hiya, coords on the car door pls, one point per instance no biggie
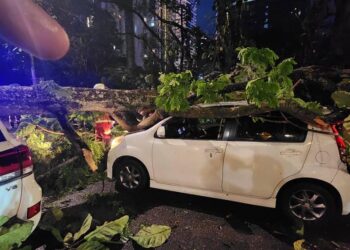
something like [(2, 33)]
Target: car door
[(262, 151), (10, 176), (191, 154)]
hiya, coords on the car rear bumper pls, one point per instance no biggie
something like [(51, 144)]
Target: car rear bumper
[(342, 183), (31, 195)]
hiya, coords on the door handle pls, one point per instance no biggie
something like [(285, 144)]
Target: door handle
[(290, 151), (214, 150)]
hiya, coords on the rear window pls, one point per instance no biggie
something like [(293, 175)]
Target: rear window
[(2, 137), (271, 127)]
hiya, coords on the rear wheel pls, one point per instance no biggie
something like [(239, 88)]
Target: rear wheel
[(131, 176), (308, 202)]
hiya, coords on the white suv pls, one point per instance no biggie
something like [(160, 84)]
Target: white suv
[(20, 195), (270, 160)]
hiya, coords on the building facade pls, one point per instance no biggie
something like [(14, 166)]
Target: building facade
[(156, 28)]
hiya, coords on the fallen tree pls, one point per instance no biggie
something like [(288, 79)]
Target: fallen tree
[(49, 99), (267, 87)]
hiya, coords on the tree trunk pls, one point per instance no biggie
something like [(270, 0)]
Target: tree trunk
[(48, 97)]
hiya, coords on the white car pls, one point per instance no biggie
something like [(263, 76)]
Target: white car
[(270, 160), (20, 195)]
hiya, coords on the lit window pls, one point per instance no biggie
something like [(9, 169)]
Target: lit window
[(152, 23), (89, 21)]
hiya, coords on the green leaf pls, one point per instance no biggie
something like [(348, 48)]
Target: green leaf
[(3, 230), (68, 238), (92, 245), (16, 235), (286, 66), (3, 220), (108, 230), (57, 234), (301, 231), (57, 213), (298, 245), (312, 106), (174, 90), (152, 236), (341, 98), (84, 228)]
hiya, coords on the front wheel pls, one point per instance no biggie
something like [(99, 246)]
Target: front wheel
[(311, 203), (131, 176)]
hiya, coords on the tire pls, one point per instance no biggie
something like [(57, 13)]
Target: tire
[(311, 203), (131, 176)]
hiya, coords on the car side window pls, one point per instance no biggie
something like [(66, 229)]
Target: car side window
[(2, 137), (272, 126), (193, 128)]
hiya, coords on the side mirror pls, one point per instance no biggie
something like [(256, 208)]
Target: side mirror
[(161, 132)]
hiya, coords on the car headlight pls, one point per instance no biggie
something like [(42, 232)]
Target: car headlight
[(116, 141)]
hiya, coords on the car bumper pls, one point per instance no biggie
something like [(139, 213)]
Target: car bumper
[(342, 183), (31, 195)]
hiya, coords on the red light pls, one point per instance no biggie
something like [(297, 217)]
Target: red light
[(11, 162), (341, 144), (33, 210), (26, 156), (338, 138), (9, 165), (9, 168)]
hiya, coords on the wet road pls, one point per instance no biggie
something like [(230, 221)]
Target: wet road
[(204, 223)]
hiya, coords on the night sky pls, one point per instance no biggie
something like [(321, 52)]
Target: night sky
[(206, 16)]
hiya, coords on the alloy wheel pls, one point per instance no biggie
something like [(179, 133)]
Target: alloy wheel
[(307, 205), (130, 177)]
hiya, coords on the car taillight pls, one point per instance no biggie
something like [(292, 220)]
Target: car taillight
[(340, 142), (15, 162), (33, 210), (25, 159)]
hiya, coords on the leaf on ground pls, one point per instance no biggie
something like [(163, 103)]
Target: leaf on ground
[(53, 230), (3, 220), (152, 236), (57, 234), (298, 245), (16, 235), (92, 245), (300, 231), (84, 228), (57, 213), (68, 238), (108, 230)]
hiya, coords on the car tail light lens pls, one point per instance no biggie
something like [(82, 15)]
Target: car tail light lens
[(33, 210), (14, 163), (25, 159), (340, 142)]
